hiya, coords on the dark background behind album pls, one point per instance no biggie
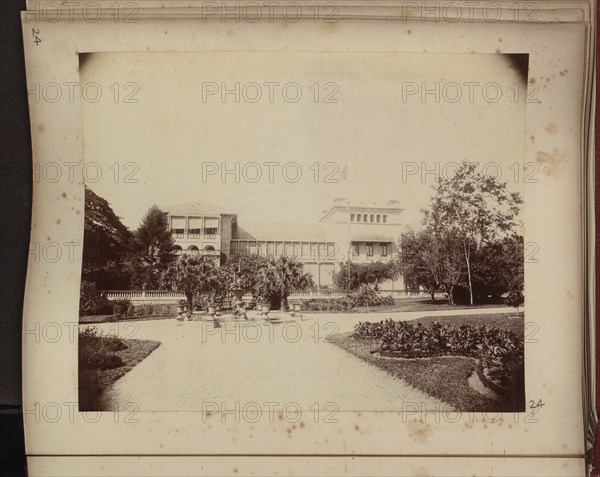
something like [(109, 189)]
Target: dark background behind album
[(15, 210)]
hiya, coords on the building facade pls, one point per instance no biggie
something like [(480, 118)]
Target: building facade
[(360, 233)]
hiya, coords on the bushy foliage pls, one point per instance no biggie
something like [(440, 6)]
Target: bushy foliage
[(328, 304), (272, 280), (154, 310), (122, 308), (97, 352), (200, 302), (92, 301), (368, 296), (352, 276), (106, 245), (499, 351), (364, 296), (514, 298), (498, 268), (193, 275)]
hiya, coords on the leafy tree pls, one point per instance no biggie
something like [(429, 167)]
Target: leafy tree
[(420, 261), (153, 250), (426, 261), (192, 275), (243, 269), (351, 275), (498, 267), (472, 209), (92, 301), (106, 244)]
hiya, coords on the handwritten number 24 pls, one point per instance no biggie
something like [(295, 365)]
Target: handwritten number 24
[(36, 39)]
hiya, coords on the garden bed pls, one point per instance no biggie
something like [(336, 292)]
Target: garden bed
[(103, 360), (440, 358), (91, 320), (124, 310)]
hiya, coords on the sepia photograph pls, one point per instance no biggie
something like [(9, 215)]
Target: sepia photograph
[(309, 238), (340, 232)]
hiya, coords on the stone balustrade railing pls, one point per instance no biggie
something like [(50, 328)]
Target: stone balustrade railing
[(322, 294), (162, 296), (145, 296)]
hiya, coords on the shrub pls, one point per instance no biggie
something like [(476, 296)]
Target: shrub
[(122, 308), (92, 301), (364, 296), (514, 298), (328, 304), (368, 296), (164, 310), (149, 309)]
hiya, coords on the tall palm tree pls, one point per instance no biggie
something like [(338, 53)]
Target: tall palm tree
[(291, 276)]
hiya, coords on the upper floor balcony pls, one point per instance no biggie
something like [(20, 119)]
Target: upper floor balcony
[(195, 235)]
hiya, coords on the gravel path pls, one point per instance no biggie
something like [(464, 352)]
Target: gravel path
[(197, 367)]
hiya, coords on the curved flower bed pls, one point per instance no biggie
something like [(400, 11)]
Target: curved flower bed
[(499, 352)]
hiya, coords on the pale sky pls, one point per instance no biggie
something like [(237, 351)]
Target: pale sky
[(370, 134)]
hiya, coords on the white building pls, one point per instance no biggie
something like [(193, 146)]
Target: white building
[(360, 233)]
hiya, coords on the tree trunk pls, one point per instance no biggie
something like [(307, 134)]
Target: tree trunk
[(450, 293), (284, 302), (432, 296), (190, 300), (468, 273)]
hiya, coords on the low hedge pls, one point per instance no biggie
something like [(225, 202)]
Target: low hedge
[(125, 309), (364, 296)]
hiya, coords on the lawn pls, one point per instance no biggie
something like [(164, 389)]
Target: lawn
[(504, 321), (422, 304), (103, 360), (412, 304), (443, 377)]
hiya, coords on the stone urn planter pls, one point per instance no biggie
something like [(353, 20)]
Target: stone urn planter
[(264, 308), (181, 311), (238, 293), (296, 309), (213, 310)]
